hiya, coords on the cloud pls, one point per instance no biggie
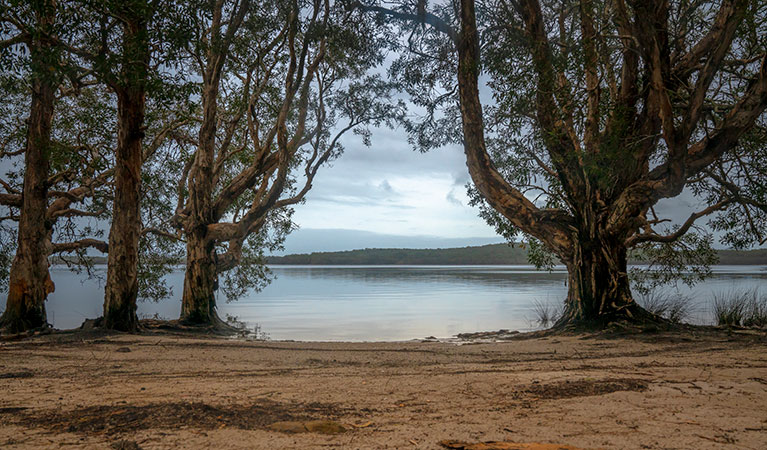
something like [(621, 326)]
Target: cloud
[(389, 188), (385, 186), (451, 198)]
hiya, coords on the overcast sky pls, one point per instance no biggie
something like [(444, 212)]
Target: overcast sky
[(389, 189), (389, 196)]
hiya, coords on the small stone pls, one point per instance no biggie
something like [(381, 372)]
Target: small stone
[(125, 445), (123, 350)]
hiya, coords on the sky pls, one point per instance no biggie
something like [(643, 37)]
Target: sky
[(388, 195)]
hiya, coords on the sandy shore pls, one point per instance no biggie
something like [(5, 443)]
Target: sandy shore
[(682, 390)]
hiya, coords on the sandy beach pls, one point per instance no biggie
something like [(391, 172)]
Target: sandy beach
[(686, 389)]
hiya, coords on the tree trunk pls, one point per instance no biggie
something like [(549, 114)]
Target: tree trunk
[(598, 287), (122, 272), (30, 280), (198, 305)]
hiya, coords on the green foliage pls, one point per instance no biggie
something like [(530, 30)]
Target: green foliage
[(743, 175), (484, 255), (7, 250), (342, 95), (157, 259), (540, 256), (495, 254), (522, 95), (687, 259), (252, 273), (501, 224)]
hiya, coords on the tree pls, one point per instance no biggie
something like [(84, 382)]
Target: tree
[(28, 285), (601, 110), (123, 51), (127, 50), (59, 170), (98, 139), (130, 86), (281, 83)]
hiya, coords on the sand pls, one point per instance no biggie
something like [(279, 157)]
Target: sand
[(686, 389)]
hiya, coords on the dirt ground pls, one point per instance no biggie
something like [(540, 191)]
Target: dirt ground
[(163, 390)]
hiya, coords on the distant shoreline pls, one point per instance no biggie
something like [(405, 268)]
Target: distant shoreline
[(485, 255), (490, 255)]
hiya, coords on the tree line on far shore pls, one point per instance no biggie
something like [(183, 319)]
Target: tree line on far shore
[(191, 129), (492, 254)]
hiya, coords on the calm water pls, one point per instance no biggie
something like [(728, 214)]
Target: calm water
[(381, 302)]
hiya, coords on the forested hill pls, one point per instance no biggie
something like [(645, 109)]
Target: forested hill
[(487, 254)]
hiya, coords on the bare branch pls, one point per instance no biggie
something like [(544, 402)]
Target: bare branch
[(426, 17), (101, 246), (654, 237)]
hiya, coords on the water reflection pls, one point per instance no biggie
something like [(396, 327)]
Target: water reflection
[(489, 275)]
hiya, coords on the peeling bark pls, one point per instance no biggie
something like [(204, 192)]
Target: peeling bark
[(30, 281), (122, 271), (608, 183), (198, 306), (598, 287)]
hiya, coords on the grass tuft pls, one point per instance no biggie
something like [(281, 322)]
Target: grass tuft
[(740, 308), (547, 313), (672, 306)]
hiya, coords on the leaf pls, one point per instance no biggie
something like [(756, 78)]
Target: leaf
[(362, 425)]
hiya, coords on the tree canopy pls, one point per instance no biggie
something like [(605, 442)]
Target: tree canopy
[(597, 111)]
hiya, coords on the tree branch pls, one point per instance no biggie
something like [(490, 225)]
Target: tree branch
[(101, 246), (654, 237), (426, 17), (549, 226)]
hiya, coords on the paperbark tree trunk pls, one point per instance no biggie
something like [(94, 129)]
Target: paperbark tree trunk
[(599, 291), (122, 273), (198, 305), (30, 280)]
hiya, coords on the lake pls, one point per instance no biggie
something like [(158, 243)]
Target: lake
[(375, 303)]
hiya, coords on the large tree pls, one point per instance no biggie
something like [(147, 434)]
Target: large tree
[(599, 110), (130, 85), (127, 49), (62, 166), (99, 139), (281, 82), (27, 290)]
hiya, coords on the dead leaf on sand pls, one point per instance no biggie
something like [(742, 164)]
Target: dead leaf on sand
[(112, 419), (362, 425)]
